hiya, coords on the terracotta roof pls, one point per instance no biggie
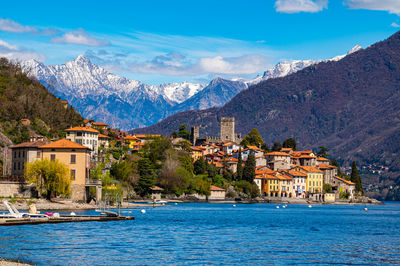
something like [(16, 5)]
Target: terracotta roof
[(34, 144), (277, 153), (310, 169), (99, 124), (147, 136), (297, 173), (326, 166), (63, 144), (286, 149), (254, 148), (345, 181), (322, 159), (131, 138), (64, 101), (214, 188), (85, 129), (157, 188), (101, 136), (305, 152), (86, 121)]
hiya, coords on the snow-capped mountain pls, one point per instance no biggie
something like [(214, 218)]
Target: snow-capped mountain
[(125, 103), (285, 68)]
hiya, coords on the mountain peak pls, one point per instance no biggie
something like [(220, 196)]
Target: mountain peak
[(354, 49), (82, 59)]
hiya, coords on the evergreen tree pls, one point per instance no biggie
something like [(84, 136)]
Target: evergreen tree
[(200, 166), (290, 143), (252, 138), (355, 178), (323, 152), (212, 171), (239, 170), (146, 177), (265, 147), (277, 146), (335, 163), (249, 170), (183, 133)]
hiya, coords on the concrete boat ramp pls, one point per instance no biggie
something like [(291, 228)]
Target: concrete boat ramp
[(62, 219)]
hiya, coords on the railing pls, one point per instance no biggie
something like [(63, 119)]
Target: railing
[(12, 179)]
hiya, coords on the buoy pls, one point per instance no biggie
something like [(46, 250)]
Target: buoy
[(176, 203), (365, 209), (234, 205), (143, 211), (283, 206), (309, 206), (277, 207), (72, 213)]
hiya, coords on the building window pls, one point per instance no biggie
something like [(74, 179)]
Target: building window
[(38, 154), (73, 158), (52, 157), (79, 134), (73, 174)]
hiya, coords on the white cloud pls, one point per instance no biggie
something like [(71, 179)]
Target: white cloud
[(20, 54), (296, 6), (395, 25), (12, 26), (175, 64), (392, 6), (80, 36)]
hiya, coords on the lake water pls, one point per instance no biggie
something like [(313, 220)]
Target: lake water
[(216, 234)]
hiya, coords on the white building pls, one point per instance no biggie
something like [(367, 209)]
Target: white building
[(86, 136), (216, 193)]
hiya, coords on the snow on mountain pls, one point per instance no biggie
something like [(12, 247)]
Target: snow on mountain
[(125, 103), (285, 68)]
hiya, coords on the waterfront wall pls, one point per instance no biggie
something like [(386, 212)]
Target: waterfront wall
[(15, 189)]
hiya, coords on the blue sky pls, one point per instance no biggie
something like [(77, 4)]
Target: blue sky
[(168, 41)]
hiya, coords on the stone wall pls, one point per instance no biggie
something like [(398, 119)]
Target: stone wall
[(16, 189), (78, 192), (227, 129)]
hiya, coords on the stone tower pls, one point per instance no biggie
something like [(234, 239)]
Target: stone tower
[(227, 129), (194, 134)]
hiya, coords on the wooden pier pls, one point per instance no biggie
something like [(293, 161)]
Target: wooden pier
[(62, 219)]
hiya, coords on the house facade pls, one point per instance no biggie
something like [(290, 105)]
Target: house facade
[(24, 153), (86, 136)]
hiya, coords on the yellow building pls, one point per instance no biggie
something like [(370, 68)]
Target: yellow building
[(76, 157), (196, 152), (315, 178), (132, 140), (100, 126)]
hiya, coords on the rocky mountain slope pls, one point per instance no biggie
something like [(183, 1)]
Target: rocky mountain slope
[(124, 103), (351, 106)]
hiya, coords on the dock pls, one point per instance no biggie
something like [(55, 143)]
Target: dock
[(62, 219)]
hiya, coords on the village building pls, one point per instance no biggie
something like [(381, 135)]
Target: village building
[(99, 126), (315, 180), (210, 148), (156, 193), (65, 104), (104, 141), (216, 193), (86, 136), (330, 172), (132, 141), (230, 147), (299, 183), (25, 121), (278, 160), (24, 153), (77, 159), (230, 163), (322, 160), (197, 152), (346, 185)]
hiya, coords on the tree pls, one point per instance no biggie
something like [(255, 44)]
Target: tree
[(121, 170), (200, 166), (327, 188), (252, 138), (186, 162), (174, 134), (265, 147), (212, 171), (183, 133), (323, 152), (290, 143), (277, 146), (335, 163), (249, 170), (52, 178), (157, 149), (146, 177), (239, 170), (355, 178)]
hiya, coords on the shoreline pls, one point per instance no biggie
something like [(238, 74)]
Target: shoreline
[(7, 262), (67, 205)]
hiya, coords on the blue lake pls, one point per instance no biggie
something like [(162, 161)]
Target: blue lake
[(216, 234)]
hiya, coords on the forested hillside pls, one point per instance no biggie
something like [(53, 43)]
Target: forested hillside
[(22, 97)]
